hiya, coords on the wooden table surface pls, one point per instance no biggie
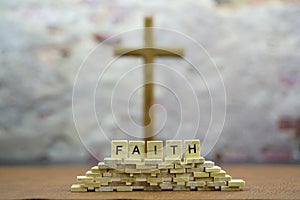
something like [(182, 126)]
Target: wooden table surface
[(53, 182)]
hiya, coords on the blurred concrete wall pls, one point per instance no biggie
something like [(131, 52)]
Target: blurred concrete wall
[(256, 47)]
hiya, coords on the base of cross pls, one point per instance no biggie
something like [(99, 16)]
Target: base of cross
[(156, 174)]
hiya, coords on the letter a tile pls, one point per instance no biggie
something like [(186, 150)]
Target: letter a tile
[(136, 149)]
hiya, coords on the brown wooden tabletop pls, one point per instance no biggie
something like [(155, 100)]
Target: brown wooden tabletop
[(53, 182)]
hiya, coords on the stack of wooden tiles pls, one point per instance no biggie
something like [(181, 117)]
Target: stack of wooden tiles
[(131, 169)]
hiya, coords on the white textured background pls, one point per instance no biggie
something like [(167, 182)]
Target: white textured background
[(255, 45)]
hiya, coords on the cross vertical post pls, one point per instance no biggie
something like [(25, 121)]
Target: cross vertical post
[(148, 79)]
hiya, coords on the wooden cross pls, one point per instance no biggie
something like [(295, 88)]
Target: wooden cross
[(148, 52)]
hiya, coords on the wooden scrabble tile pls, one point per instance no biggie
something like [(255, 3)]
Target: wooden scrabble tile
[(180, 188), (92, 174), (180, 179), (180, 183), (178, 166), (132, 161), (164, 171), (166, 188), (184, 165), (132, 171), (200, 160), (130, 166), (227, 188), (112, 166), (92, 184), (101, 166), (153, 174), (165, 175), (115, 171), (141, 175), (115, 179), (215, 183), (165, 166), (95, 169), (221, 173), (119, 149), (152, 188), (220, 178), (106, 174), (78, 188), (167, 185), (181, 170), (141, 179), (104, 184), (206, 179), (150, 171), (191, 149), (144, 183), (201, 174), (205, 188), (153, 161), (90, 189), (213, 169), (84, 178), (113, 184), (120, 167), (174, 149), (104, 189), (155, 149), (124, 188), (172, 160), (104, 179), (143, 166), (184, 175), (109, 161), (136, 149), (195, 170), (154, 179), (126, 179), (207, 163), (125, 175), (138, 187), (236, 182), (195, 183), (167, 179)]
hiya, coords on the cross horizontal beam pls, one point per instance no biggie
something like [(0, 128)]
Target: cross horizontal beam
[(157, 51)]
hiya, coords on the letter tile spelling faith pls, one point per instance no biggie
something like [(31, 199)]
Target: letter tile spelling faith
[(155, 149), (127, 170), (191, 149), (119, 149), (137, 149), (173, 149)]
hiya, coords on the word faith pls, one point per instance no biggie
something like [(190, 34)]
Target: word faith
[(123, 149)]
